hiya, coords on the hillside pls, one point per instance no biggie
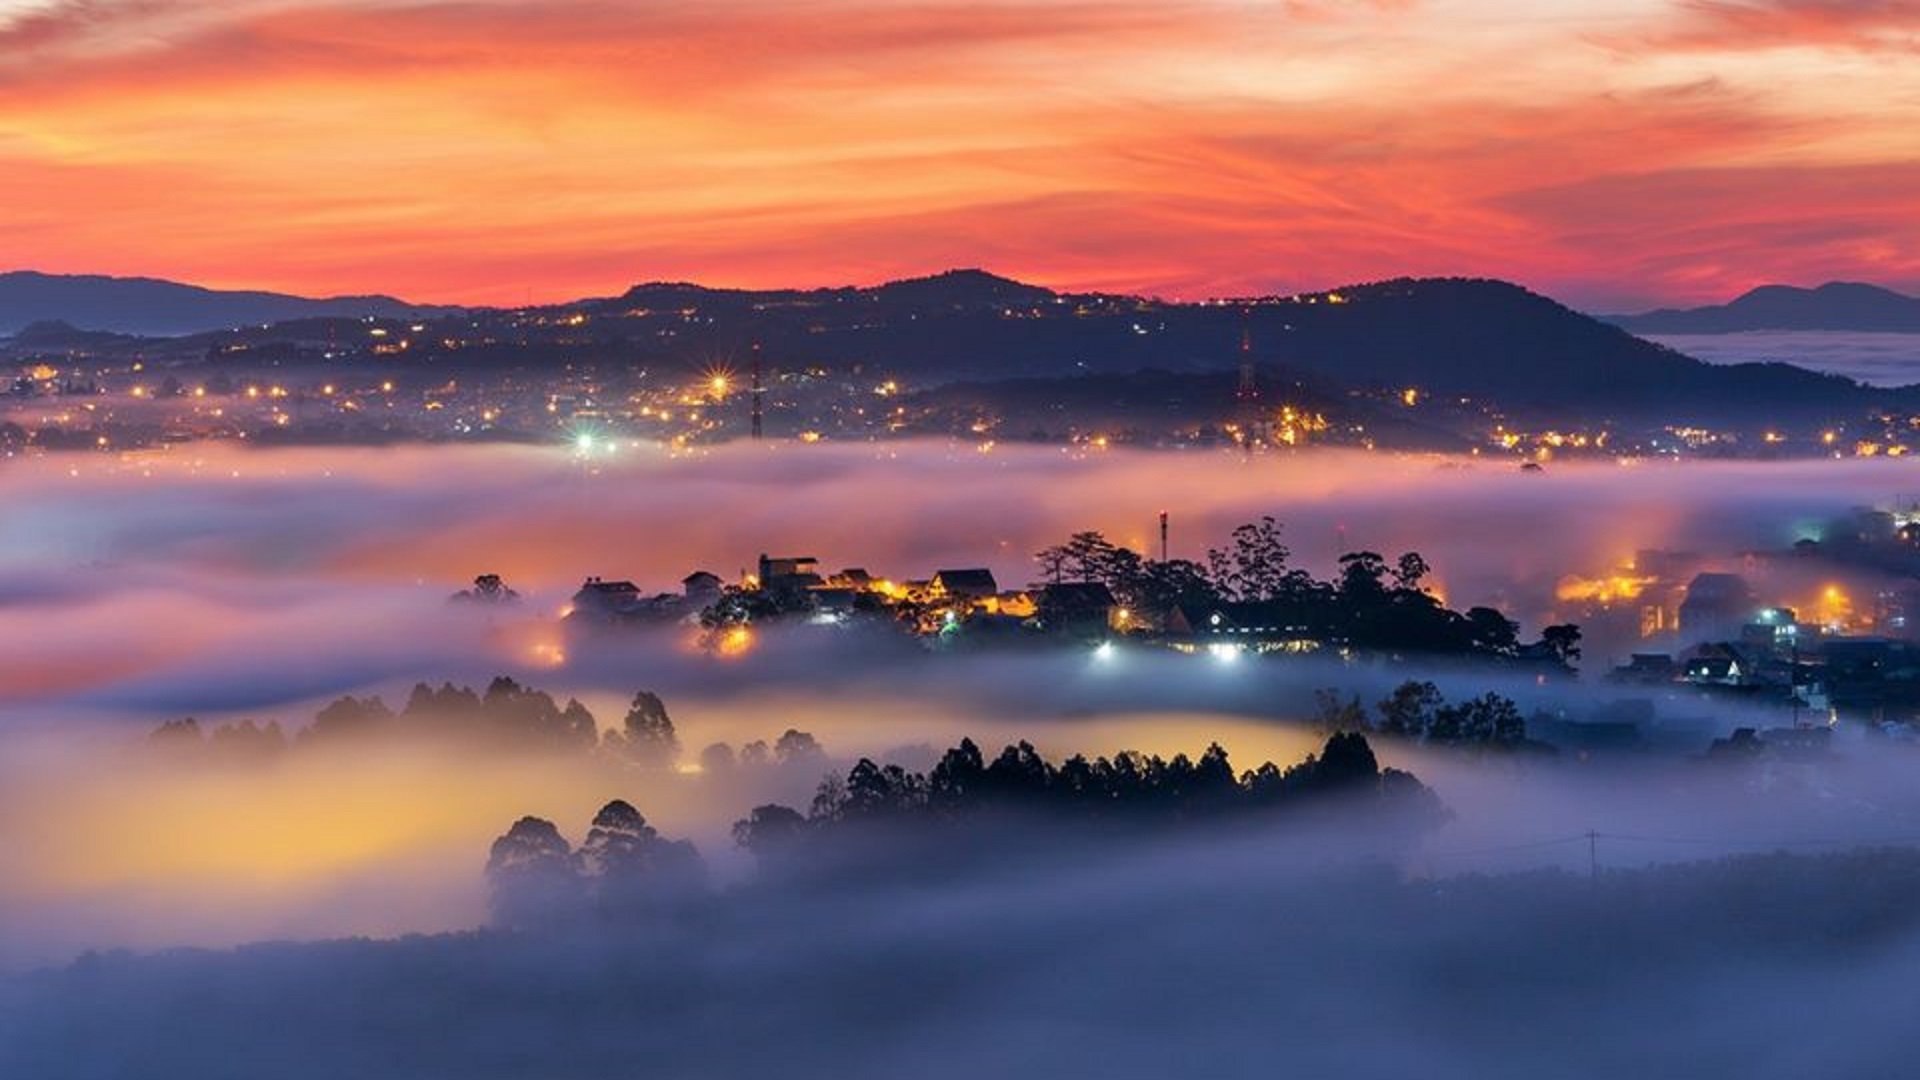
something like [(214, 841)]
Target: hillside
[(1834, 306), (164, 308)]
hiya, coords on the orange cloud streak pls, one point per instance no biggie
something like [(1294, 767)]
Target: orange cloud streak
[(479, 151)]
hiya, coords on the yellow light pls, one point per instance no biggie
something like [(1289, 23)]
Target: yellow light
[(735, 642)]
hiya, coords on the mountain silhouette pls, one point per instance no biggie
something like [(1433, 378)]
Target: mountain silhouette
[(1480, 342), (1837, 305), (149, 306)]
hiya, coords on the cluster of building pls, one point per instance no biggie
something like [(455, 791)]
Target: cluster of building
[(963, 605), (796, 587)]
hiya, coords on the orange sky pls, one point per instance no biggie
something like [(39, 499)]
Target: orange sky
[(1611, 153)]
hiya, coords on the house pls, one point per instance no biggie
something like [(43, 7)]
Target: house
[(1721, 664), (1254, 626), (1077, 608), (1717, 605), (853, 577), (835, 600), (789, 578), (772, 569), (972, 585), (701, 587), (606, 601), (1647, 668)]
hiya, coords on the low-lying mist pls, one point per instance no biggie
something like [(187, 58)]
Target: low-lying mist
[(210, 576), (258, 586)]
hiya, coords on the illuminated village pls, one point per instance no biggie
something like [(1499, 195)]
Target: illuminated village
[(681, 368), (1825, 631)]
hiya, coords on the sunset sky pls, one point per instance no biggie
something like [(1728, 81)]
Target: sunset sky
[(1612, 153)]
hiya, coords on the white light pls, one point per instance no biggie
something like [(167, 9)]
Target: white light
[(1103, 651), (1226, 654), (583, 442)]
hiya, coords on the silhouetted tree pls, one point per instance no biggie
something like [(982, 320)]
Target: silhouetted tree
[(488, 589), (1492, 631), (1563, 641), (798, 748), (770, 832), (533, 877), (631, 868), (717, 759), (1254, 566), (1408, 711), (646, 737), (350, 717), (1333, 713)]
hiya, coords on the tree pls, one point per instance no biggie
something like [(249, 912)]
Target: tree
[(795, 747), (1254, 567), (1333, 714), (532, 875), (348, 717), (1410, 571), (632, 868), (770, 833), (1491, 631), (488, 589), (577, 724), (1053, 564), (1409, 710), (1563, 641), (956, 776), (646, 737), (1362, 578), (1088, 555), (717, 759)]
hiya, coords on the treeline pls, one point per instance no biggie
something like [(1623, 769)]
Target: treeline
[(505, 716), (1417, 711), (1372, 604), (625, 866), (623, 869)]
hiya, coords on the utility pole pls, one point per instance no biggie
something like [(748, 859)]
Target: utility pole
[(1163, 536), (757, 391), (1593, 855)]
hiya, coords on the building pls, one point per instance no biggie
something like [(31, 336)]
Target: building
[(789, 578), (972, 585), (1649, 668), (1077, 608), (1253, 627), (1717, 606), (605, 601), (701, 587)]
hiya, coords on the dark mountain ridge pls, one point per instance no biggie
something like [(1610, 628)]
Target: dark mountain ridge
[(1491, 341), (150, 306), (1837, 305)]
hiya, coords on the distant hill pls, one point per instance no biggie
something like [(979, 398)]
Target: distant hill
[(1492, 340), (1838, 305), (153, 307), (1489, 341)]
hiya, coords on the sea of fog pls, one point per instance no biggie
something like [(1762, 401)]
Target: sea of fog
[(1872, 358), (231, 584)]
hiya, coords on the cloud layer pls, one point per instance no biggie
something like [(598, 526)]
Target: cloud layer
[(1613, 153)]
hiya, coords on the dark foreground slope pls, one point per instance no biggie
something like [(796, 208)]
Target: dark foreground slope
[(1229, 960), (164, 308)]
